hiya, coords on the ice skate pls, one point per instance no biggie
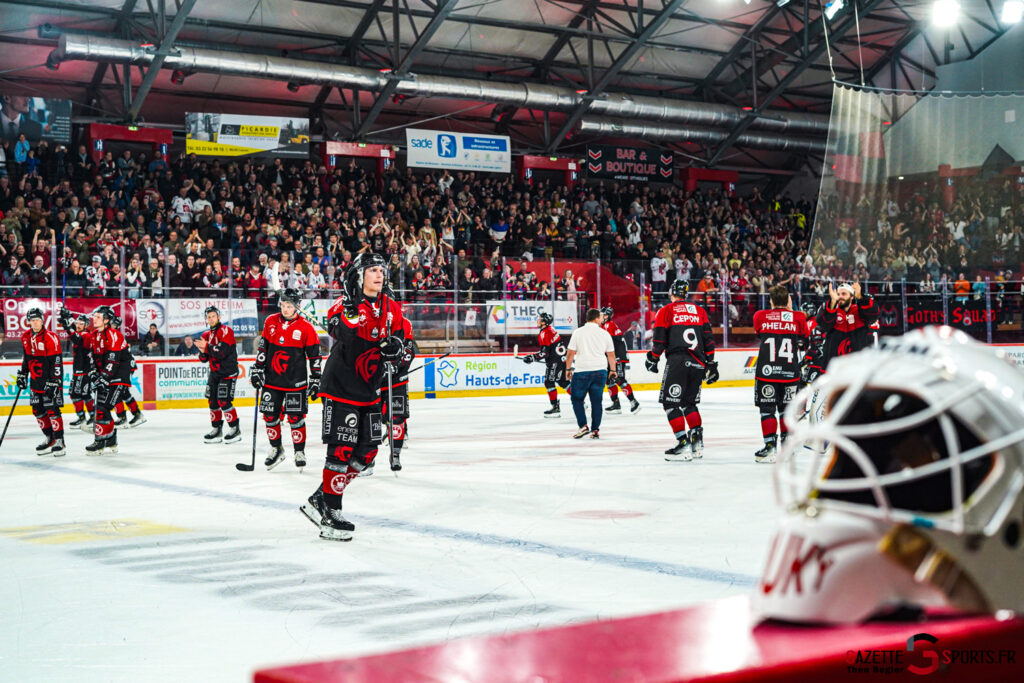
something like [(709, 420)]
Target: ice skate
[(766, 454), (46, 446), (555, 411), (89, 425), (137, 419), (396, 463), (367, 471), (110, 445), (615, 408), (697, 442), (96, 447), (58, 449), (634, 406), (680, 452), (275, 458), (315, 508), (215, 435), (121, 420), (334, 527), (79, 421), (300, 459), (234, 435)]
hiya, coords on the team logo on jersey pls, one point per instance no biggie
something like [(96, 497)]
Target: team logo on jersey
[(351, 420), (845, 347), (374, 332), (675, 391), (35, 369), (279, 362), (368, 363), (768, 391)]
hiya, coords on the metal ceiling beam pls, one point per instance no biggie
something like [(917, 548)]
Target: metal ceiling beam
[(166, 45), (737, 50), (839, 28), (640, 41), (120, 28), (894, 51), (444, 9)]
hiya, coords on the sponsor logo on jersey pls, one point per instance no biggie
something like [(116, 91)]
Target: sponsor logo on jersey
[(338, 482), (768, 391), (351, 420), (790, 392), (296, 335), (767, 371), (675, 391), (787, 316), (280, 340)]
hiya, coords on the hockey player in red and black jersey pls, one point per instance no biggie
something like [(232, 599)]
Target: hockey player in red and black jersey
[(621, 362), (287, 344), (682, 332), (113, 376), (845, 321), (42, 373), (367, 329), (552, 352), (126, 398), (217, 347), (782, 333), (82, 369)]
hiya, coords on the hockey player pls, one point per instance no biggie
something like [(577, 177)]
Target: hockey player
[(366, 325), (113, 375), (552, 352), (782, 333), (125, 396), (812, 362), (845, 321), (42, 372), (621, 361), (397, 401), (682, 332), (287, 344), (217, 347), (82, 369)]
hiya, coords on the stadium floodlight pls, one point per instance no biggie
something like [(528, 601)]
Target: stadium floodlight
[(781, 3), (945, 12), (832, 9), (1013, 11)]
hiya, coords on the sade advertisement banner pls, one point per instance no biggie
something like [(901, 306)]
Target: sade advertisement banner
[(459, 151), (242, 135)]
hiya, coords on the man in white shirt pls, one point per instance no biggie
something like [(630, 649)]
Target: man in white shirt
[(592, 350), (182, 206), (659, 273)]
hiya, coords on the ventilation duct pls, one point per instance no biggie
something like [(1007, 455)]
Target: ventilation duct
[(639, 129), (526, 95)]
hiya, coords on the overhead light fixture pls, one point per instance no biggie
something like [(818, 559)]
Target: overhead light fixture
[(293, 86), (945, 12), (781, 3), (178, 76), (52, 61), (832, 9), (1013, 11), (899, 178), (747, 1)]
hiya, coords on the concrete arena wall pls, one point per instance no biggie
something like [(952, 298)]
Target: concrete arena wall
[(163, 383)]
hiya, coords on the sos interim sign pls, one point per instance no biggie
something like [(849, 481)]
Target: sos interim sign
[(629, 163)]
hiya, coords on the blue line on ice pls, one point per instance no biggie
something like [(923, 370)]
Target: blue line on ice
[(492, 540)]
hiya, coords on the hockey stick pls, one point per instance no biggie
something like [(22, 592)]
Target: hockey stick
[(10, 415), (386, 306), (420, 367), (241, 466)]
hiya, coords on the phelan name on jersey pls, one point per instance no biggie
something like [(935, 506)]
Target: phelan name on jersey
[(780, 327)]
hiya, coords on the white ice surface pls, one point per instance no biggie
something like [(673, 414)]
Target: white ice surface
[(499, 522)]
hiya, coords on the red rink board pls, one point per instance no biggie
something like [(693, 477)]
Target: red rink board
[(713, 642)]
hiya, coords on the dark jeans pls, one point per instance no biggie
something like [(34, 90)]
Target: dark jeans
[(583, 383)]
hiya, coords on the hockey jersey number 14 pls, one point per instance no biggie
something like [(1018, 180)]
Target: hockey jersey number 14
[(783, 334)]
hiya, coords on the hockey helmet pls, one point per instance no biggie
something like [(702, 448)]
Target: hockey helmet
[(215, 310), (907, 491), (608, 312), (34, 314), (115, 322), (680, 288), (545, 318), (809, 308), (354, 274), (106, 312)]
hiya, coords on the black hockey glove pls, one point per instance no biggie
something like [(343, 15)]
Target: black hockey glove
[(256, 377), (102, 382), (65, 318), (93, 376), (711, 372), (313, 388), (809, 374), (651, 363), (22, 380), (392, 348), (528, 359)]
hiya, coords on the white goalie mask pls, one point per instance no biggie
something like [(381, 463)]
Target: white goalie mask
[(907, 492)]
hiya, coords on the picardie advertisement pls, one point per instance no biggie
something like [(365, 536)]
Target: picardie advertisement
[(240, 135)]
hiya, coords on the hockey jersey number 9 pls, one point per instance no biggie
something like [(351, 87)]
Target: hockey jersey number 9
[(683, 329)]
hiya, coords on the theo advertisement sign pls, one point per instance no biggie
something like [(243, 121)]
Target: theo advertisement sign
[(242, 135), (460, 151), (520, 317), (640, 164)]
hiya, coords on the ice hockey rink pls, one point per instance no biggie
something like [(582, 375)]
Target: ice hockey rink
[(165, 563)]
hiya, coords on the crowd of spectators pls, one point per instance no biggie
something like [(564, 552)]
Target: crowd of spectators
[(197, 226)]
